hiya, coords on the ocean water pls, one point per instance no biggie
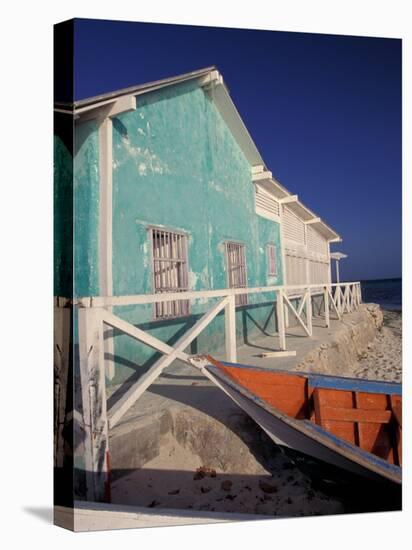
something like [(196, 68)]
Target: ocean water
[(385, 292)]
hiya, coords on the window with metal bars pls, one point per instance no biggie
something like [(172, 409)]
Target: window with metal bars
[(170, 271), (236, 269), (272, 263)]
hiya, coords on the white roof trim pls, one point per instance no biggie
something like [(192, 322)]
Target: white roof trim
[(220, 94), (282, 195), (212, 82)]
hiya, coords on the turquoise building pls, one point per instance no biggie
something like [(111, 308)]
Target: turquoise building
[(163, 190)]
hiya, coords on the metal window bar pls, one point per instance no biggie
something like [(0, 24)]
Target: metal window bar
[(236, 268), (170, 271), (272, 266)]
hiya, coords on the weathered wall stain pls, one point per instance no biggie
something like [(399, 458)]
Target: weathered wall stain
[(176, 165), (86, 210), (63, 219)]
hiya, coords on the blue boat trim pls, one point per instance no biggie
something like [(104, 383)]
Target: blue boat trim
[(354, 384), (335, 382), (353, 448), (360, 456)]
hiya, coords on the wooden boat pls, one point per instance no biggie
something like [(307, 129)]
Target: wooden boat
[(353, 424)]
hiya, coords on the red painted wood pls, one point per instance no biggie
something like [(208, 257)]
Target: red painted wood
[(396, 404), (283, 391), (322, 398), (356, 415), (370, 420)]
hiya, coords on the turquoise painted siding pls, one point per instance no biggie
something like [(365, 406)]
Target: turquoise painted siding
[(86, 210), (175, 165), (76, 214), (63, 219)]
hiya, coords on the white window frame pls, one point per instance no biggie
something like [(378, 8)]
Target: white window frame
[(272, 261), (236, 268), (170, 271)]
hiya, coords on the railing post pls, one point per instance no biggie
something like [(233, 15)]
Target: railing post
[(230, 330), (360, 293), (338, 299), (345, 299), (286, 310), (93, 452), (309, 311), (281, 320), (62, 400), (326, 302)]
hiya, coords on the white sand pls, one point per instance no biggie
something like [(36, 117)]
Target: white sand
[(170, 481), (383, 360)]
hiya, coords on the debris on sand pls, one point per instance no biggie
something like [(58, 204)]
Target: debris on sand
[(267, 487), (226, 485), (203, 471)]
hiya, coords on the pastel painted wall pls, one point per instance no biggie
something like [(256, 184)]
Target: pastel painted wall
[(176, 165), (76, 211), (86, 209), (63, 218)]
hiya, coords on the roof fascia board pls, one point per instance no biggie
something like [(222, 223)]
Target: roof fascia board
[(301, 211), (279, 190), (211, 79), (313, 220), (257, 169), (108, 109), (266, 175), (144, 88), (212, 82), (289, 199), (327, 232), (272, 188), (227, 109)]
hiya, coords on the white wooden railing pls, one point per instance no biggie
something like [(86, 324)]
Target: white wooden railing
[(95, 313), (341, 298)]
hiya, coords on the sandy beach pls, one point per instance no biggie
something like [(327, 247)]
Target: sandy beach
[(383, 359), (177, 479), (282, 486)]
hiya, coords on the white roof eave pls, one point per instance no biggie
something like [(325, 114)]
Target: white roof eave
[(213, 84)]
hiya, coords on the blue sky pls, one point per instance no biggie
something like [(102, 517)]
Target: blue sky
[(323, 110)]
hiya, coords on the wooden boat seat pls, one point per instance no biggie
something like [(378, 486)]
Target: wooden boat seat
[(364, 413), (371, 421), (353, 415)]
